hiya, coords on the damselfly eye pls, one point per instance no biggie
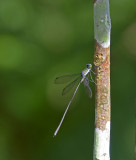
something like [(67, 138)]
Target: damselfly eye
[(89, 66)]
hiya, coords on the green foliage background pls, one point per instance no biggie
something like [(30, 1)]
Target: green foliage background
[(42, 39)]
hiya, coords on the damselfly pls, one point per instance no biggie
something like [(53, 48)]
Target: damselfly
[(83, 76)]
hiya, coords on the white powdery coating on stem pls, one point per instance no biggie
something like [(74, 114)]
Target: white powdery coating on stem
[(102, 143), (104, 44), (102, 22)]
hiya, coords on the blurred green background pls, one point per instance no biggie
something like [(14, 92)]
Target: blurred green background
[(42, 39)]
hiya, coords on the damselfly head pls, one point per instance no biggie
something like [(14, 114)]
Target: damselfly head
[(89, 66)]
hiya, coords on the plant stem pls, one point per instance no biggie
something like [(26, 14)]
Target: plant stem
[(102, 27)]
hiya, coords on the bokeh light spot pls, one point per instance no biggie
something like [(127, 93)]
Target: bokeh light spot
[(11, 52)]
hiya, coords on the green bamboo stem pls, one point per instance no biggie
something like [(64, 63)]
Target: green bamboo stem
[(102, 28)]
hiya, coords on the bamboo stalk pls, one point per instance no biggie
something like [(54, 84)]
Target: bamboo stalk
[(102, 27)]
